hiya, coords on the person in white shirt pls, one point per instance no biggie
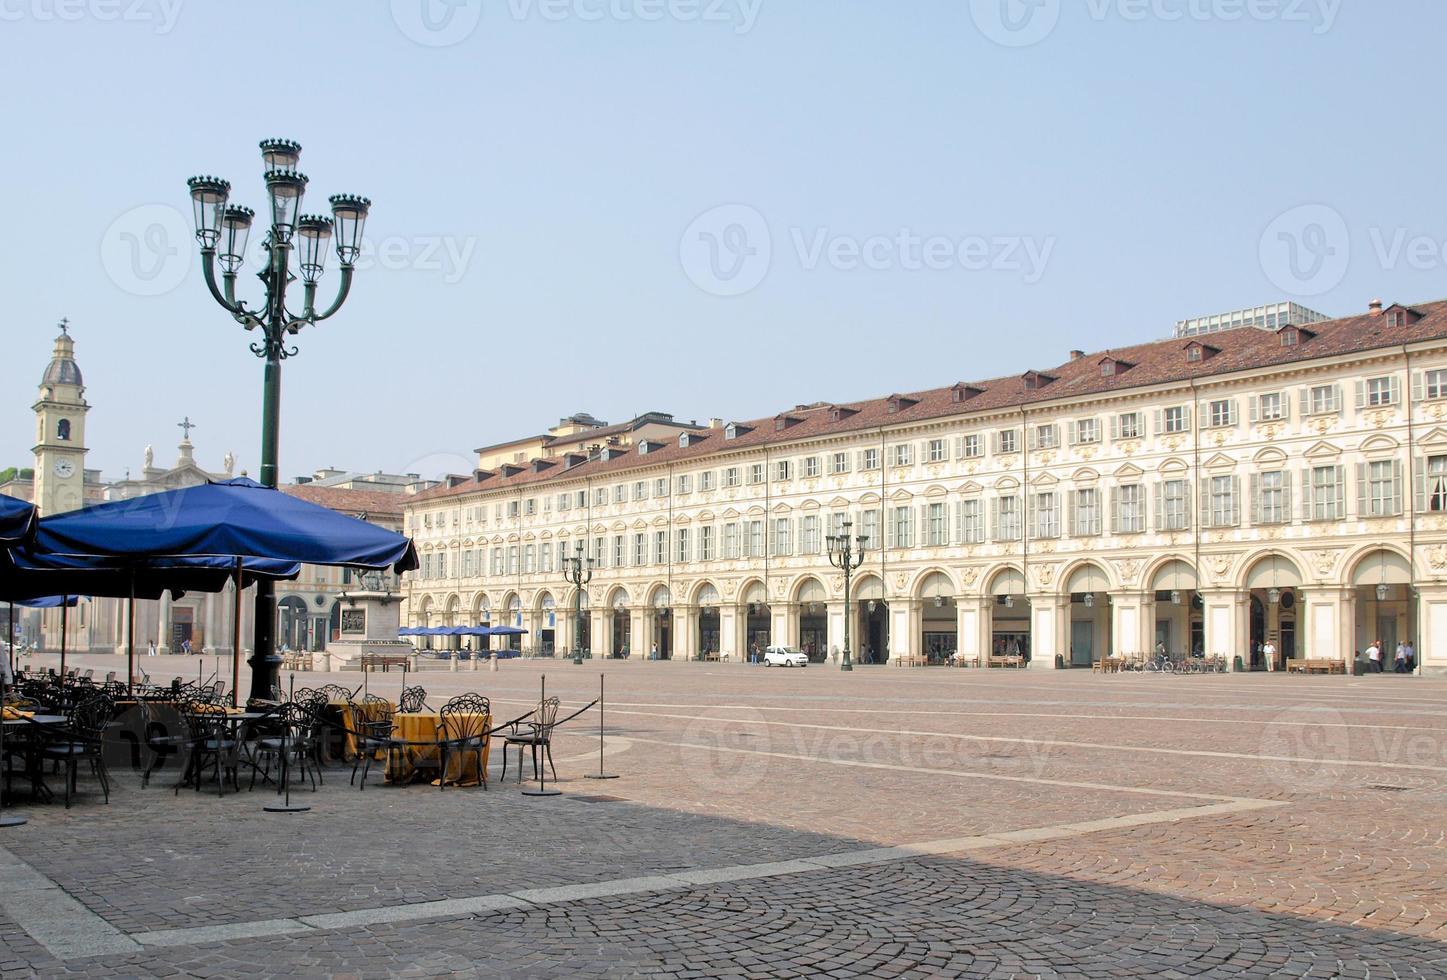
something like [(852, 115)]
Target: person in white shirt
[(1268, 654), (1399, 664), (1374, 657)]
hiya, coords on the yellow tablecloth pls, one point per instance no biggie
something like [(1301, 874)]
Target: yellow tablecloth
[(370, 712), (426, 726), (14, 714)]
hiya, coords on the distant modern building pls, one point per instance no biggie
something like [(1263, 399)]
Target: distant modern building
[(581, 433), (1272, 317)]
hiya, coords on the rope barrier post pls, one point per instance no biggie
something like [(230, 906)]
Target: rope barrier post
[(542, 787), (600, 774), (288, 806)]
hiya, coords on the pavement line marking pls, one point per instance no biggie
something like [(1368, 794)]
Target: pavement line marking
[(1153, 749), (1174, 719), (655, 884), (956, 773), (52, 917)]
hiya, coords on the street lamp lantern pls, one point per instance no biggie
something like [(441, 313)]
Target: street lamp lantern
[(349, 212), (286, 188), (208, 201), (578, 572), (280, 154), (235, 230), (846, 557), (315, 231), (225, 229)]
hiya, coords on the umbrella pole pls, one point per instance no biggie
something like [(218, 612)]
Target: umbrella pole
[(236, 637), (8, 819), (131, 637), (64, 629)]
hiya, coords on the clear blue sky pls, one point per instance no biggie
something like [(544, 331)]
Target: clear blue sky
[(565, 149)]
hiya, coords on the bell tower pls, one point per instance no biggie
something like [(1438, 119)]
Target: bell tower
[(60, 415)]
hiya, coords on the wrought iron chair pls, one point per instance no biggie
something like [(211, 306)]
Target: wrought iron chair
[(373, 721), (463, 732), (536, 735), (210, 739), (288, 741), (81, 740), (413, 699)]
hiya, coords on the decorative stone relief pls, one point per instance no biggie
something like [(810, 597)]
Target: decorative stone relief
[(1129, 569), (730, 586), (968, 576), (1044, 575), (1437, 557), (900, 581), (1322, 562), (1220, 565)]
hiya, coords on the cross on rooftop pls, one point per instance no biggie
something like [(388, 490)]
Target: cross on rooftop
[(186, 425), (65, 325)]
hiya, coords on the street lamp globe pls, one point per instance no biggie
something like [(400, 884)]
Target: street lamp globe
[(281, 154), (286, 189), (349, 212), (315, 231), (235, 229), (208, 200)]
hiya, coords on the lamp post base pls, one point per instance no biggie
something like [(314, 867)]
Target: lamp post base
[(846, 666), (9, 821)]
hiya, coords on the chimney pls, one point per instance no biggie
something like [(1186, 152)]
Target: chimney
[(715, 423), (1375, 307), (1076, 355)]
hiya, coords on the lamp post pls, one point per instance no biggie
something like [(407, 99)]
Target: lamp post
[(578, 571), (222, 230), (846, 555)]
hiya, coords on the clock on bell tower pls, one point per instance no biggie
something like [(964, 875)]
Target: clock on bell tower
[(60, 415)]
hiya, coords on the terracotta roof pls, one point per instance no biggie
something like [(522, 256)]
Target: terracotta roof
[(376, 504), (1157, 363)]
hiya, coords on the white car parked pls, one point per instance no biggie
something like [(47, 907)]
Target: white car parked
[(785, 657)]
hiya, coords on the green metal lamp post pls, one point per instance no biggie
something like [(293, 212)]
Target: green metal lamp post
[(222, 231), (578, 572), (846, 555)]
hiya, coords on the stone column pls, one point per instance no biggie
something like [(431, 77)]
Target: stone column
[(1047, 629), (834, 619), (1227, 624), (685, 632), (163, 625), (1431, 639), (906, 632), (784, 624), (1324, 627), (209, 646), (729, 628), (1132, 623), (971, 623)]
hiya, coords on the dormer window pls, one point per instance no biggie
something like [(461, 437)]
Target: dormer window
[(731, 431), (1034, 380), (1290, 337), (897, 403), (1107, 369), (963, 392), (1396, 318), (1193, 353), (683, 441), (838, 413)]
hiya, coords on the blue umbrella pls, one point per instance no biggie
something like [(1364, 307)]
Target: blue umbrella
[(17, 520), (230, 520)]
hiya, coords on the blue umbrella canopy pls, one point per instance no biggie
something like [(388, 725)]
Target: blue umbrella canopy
[(17, 520), (24, 575), (505, 631), (227, 520), (50, 602)]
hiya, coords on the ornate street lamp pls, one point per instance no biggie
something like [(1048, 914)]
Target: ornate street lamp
[(846, 554), (578, 572), (222, 231)]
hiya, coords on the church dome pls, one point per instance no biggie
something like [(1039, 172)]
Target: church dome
[(63, 370)]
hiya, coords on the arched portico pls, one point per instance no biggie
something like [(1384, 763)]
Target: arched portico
[(1008, 627), (871, 621), (1382, 608), (1273, 582), (1088, 593), (938, 627), (811, 601)]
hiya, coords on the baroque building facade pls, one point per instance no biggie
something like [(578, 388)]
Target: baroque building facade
[(1204, 494)]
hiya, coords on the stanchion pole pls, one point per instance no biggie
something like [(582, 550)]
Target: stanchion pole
[(7, 819), (288, 806), (542, 787), (600, 774)]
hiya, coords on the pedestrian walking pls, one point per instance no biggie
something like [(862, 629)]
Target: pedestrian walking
[(1399, 659), (152, 651), (1374, 657)]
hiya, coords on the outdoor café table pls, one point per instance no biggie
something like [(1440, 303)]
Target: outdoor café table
[(23, 724), (233, 719), (426, 727)]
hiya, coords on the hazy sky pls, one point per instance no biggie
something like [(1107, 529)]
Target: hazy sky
[(710, 208)]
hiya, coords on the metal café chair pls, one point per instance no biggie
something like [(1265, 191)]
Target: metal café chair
[(536, 735)]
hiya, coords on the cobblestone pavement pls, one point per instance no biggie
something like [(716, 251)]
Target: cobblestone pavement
[(798, 823)]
